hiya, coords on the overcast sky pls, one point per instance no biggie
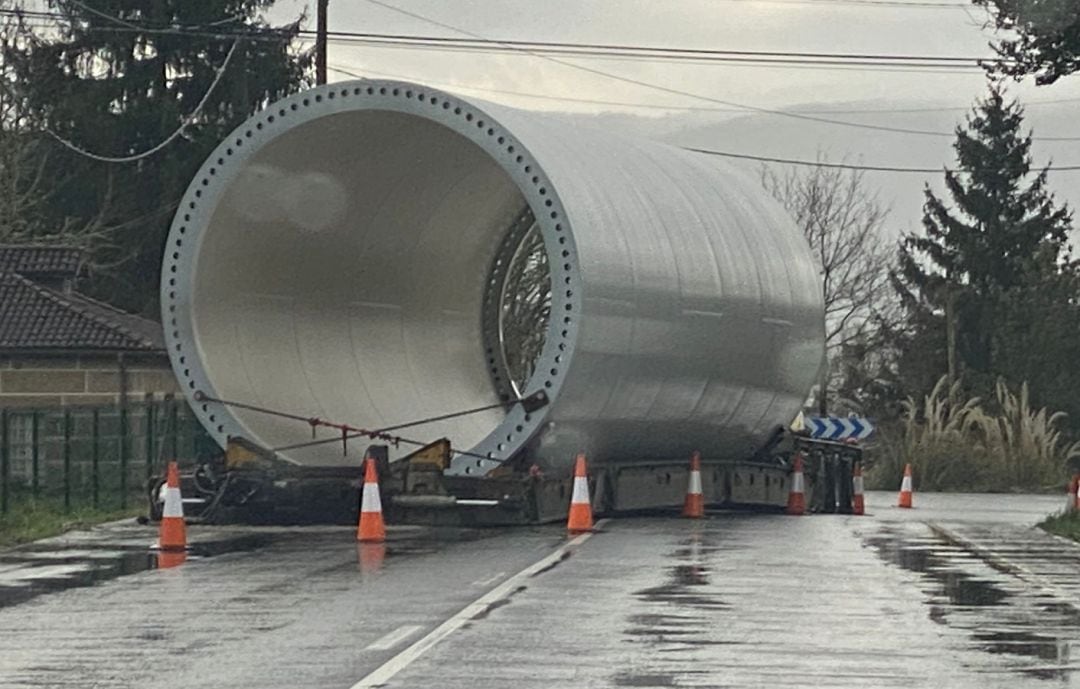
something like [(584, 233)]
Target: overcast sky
[(842, 26)]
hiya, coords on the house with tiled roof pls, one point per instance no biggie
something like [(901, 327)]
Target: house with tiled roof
[(59, 347)]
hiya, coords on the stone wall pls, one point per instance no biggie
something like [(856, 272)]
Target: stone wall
[(83, 380)]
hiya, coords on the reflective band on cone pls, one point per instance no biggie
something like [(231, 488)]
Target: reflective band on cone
[(858, 502), (580, 519), (796, 501), (905, 488), (694, 506), (371, 529), (173, 533)]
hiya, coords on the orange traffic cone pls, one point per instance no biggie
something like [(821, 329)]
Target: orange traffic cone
[(796, 501), (694, 506), (173, 533), (371, 529), (580, 519), (1071, 501), (858, 502), (905, 488)]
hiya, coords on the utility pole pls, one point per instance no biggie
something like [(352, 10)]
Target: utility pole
[(320, 42), (950, 334)]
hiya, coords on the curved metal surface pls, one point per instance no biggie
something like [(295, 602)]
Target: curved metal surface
[(335, 256)]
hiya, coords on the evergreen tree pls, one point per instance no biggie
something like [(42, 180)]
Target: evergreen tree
[(116, 78), (990, 261), (1040, 38)]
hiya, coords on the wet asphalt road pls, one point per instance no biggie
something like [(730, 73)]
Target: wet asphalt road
[(959, 592)]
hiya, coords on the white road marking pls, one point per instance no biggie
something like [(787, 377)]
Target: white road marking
[(490, 580), (388, 641), (385, 672)]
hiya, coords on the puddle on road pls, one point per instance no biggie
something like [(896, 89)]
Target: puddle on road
[(965, 590), (29, 572), (666, 627), (679, 589), (1021, 643), (961, 599), (1054, 653), (660, 620), (630, 679), (679, 624), (695, 552), (958, 587)]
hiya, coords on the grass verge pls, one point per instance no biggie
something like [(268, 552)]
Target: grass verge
[(29, 519), (1065, 524)]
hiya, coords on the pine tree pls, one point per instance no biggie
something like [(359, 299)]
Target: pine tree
[(118, 77), (1003, 231), (991, 262), (1037, 38)]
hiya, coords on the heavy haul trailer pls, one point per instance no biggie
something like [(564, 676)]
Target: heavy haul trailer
[(247, 484), (382, 252)]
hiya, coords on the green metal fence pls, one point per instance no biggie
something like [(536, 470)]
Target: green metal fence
[(95, 456)]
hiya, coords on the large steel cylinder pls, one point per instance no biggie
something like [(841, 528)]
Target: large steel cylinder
[(377, 252)]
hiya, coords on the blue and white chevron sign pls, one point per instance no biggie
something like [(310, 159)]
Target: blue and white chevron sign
[(838, 427)]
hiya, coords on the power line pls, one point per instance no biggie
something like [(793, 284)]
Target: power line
[(847, 166), (169, 139), (658, 51), (778, 60), (678, 92), (530, 48), (343, 38), (572, 49), (759, 60), (603, 50), (520, 47), (775, 59), (658, 106)]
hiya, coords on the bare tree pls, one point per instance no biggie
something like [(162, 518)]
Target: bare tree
[(842, 219)]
